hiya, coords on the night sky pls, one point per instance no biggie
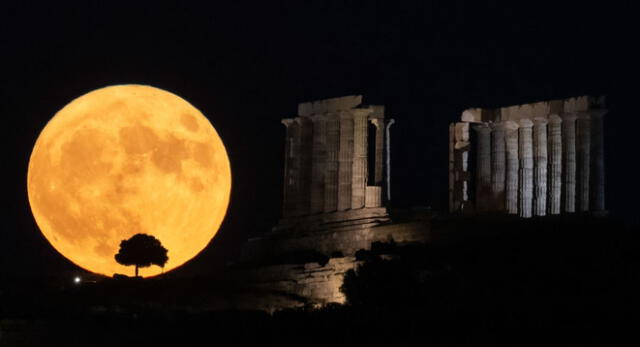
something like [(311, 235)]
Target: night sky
[(246, 66)]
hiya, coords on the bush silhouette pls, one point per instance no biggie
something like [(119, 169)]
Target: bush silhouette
[(142, 250)]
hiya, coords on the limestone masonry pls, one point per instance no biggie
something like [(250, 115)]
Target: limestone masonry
[(335, 185), (331, 200), (326, 165), (538, 159)]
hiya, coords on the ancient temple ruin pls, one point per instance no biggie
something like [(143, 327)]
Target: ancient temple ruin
[(538, 159), (326, 175), (336, 181), (336, 184)]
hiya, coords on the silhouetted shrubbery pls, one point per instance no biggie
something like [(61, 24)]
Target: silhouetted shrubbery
[(483, 282), (486, 273)]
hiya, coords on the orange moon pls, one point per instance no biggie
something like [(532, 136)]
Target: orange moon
[(128, 159)]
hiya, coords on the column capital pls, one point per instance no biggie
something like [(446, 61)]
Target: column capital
[(555, 119), (525, 123), (332, 115), (598, 112), (540, 121), (497, 126), (584, 115), (511, 125), (287, 121), (374, 116), (569, 116), (301, 120), (481, 127), (318, 117), (378, 122), (346, 115), (361, 112)]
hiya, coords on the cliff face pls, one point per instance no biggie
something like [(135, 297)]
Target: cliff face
[(310, 268), (303, 284)]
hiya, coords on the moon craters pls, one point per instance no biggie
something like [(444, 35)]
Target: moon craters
[(128, 159), (189, 122), (166, 154)]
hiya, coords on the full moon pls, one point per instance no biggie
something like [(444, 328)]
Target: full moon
[(123, 160)]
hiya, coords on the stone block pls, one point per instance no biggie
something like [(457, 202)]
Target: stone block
[(331, 105), (556, 106), (576, 104), (373, 196), (472, 115), (461, 134), (540, 109)]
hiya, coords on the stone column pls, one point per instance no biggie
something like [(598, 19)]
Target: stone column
[(359, 169), (345, 161), (597, 157), (483, 168), (294, 168), (304, 186), (288, 192), (379, 124), (540, 166), (498, 169), (583, 133), (452, 172), (331, 173), (569, 159), (318, 163), (555, 165), (373, 196), (513, 166), (461, 158), (525, 150), (388, 143)]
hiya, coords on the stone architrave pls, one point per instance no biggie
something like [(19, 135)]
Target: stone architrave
[(597, 157), (345, 161), (569, 159), (331, 173), (359, 169), (304, 186), (498, 169), (583, 133), (540, 166), (513, 166), (483, 178), (555, 164), (288, 203), (525, 143), (318, 163)]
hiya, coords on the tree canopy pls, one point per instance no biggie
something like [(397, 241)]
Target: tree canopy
[(142, 250)]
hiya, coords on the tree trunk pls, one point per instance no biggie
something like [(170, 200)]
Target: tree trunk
[(136, 270)]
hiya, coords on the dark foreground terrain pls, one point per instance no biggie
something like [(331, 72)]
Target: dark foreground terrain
[(570, 282)]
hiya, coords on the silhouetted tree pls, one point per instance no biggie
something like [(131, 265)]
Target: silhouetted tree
[(142, 250)]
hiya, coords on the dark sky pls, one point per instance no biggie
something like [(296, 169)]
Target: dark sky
[(247, 65)]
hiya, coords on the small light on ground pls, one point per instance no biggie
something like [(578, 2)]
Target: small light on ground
[(76, 280)]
